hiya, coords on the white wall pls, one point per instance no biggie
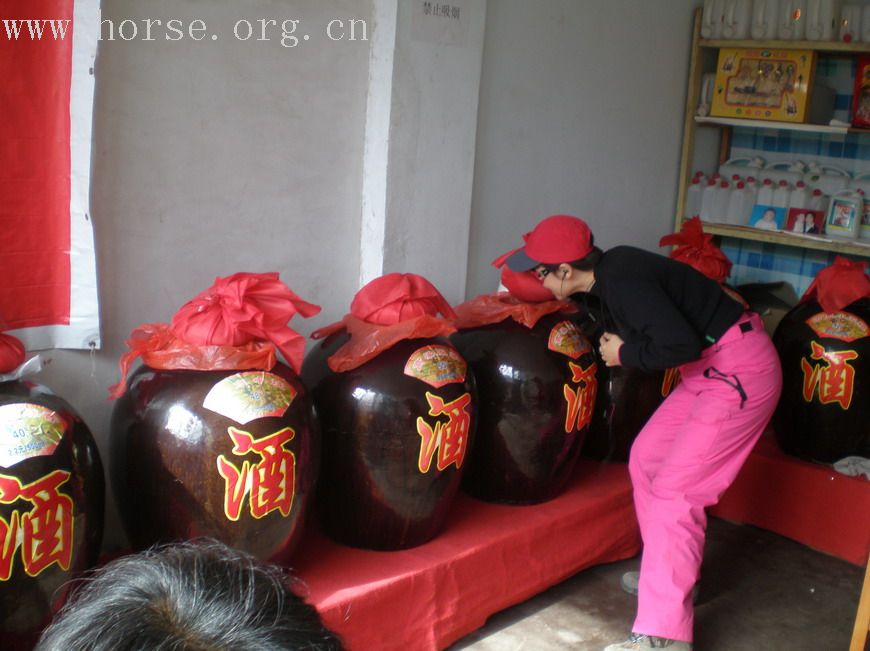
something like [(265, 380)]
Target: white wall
[(581, 107), (214, 157)]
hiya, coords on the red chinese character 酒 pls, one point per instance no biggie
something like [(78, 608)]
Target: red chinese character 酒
[(582, 401), (450, 438), (46, 530), (270, 483), (835, 381)]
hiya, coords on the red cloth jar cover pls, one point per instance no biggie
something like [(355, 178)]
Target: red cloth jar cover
[(235, 324), (523, 285), (839, 285), (397, 408), (214, 437), (387, 310), (696, 249)]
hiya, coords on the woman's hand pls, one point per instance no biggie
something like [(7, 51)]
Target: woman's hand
[(609, 346)]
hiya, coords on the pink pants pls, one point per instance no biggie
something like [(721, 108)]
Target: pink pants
[(686, 456)]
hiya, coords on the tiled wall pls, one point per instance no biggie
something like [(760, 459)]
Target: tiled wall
[(760, 262)]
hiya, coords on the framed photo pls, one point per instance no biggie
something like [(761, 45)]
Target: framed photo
[(843, 216), (803, 221), (763, 84), (767, 218)]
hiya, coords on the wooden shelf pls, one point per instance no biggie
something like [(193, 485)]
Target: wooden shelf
[(819, 242), (770, 124), (818, 46)]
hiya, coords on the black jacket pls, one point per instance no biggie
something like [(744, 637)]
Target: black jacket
[(664, 310)]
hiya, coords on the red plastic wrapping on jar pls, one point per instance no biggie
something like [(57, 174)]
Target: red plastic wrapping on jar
[(11, 353), (237, 323), (385, 311), (494, 308), (696, 249), (839, 285), (524, 285)]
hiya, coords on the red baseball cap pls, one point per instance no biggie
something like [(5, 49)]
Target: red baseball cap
[(556, 239)]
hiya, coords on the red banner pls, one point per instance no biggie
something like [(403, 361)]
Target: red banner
[(37, 165)]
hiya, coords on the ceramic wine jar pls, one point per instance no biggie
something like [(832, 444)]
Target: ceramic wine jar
[(52, 494), (397, 431), (228, 454)]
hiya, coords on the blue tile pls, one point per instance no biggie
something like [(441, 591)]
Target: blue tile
[(835, 149)]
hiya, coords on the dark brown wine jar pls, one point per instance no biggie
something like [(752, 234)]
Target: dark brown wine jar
[(52, 496), (232, 455), (383, 487), (535, 403), (824, 410), (627, 397)]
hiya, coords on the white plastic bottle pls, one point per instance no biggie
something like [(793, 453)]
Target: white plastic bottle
[(720, 202), (862, 182), (736, 19), (708, 199), (822, 20), (740, 204), (792, 20), (765, 15), (781, 196), (693, 199)]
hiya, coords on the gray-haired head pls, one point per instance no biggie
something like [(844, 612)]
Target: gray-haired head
[(193, 596)]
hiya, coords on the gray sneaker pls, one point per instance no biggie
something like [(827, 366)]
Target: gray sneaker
[(629, 582), (638, 642)]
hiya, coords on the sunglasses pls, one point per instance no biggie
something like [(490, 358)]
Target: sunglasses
[(542, 272)]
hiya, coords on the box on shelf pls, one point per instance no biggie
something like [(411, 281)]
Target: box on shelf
[(861, 95), (763, 84)]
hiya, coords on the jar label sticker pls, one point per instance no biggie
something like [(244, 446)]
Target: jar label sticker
[(566, 338), (436, 365), (250, 395), (838, 325), (28, 430)]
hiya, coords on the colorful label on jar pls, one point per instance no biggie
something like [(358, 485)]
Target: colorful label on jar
[(838, 325), (580, 401), (436, 366), (832, 379), (269, 483), (565, 338), (448, 439), (250, 395), (43, 534), (28, 430)]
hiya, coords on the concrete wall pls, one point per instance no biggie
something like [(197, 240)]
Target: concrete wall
[(581, 109), (214, 157)]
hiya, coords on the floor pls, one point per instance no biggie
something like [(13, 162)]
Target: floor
[(759, 592)]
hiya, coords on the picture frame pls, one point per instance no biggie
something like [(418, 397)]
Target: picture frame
[(767, 218), (763, 84), (805, 222), (843, 217)]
